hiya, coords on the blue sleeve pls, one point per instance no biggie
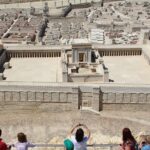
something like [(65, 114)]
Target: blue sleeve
[(85, 139), (31, 145)]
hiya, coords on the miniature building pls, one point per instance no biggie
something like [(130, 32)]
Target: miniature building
[(84, 64), (81, 53)]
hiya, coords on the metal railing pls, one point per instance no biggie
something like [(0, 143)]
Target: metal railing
[(40, 4), (61, 147)]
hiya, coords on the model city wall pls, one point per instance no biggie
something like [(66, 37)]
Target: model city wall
[(68, 96)]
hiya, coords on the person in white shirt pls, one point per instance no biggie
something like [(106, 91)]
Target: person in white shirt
[(79, 140), (22, 143)]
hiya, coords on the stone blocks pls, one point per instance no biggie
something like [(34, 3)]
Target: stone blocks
[(75, 98), (47, 96), (63, 97), (8, 96), (31, 96), (105, 97), (127, 98), (96, 99), (39, 96), (69, 97), (111, 98), (16, 96), (55, 97), (142, 98), (2, 98), (23, 96), (148, 98), (119, 97), (134, 98)]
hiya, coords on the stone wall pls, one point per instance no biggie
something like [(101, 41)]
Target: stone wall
[(86, 78), (76, 96)]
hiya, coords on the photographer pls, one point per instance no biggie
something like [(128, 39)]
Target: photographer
[(79, 139)]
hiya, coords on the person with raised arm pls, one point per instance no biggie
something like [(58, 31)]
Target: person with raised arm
[(79, 139)]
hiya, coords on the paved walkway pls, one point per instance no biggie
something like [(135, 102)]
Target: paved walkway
[(53, 127), (128, 69), (34, 70)]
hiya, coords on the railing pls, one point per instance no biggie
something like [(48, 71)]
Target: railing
[(40, 4), (61, 147)]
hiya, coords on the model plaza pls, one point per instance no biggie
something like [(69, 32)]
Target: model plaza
[(81, 43), (68, 61), (107, 25)]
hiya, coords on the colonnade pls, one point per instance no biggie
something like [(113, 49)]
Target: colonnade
[(16, 54), (120, 52)]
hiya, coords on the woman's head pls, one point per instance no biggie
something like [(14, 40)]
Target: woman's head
[(79, 135), (127, 135), (21, 137)]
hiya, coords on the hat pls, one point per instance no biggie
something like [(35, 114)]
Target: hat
[(68, 144)]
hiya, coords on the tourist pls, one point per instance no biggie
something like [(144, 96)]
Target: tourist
[(22, 143), (128, 141), (144, 145), (3, 145), (79, 140), (68, 144)]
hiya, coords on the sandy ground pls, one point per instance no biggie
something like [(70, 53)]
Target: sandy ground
[(34, 70), (53, 127), (131, 69)]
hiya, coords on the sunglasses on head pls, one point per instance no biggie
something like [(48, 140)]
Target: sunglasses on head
[(143, 142)]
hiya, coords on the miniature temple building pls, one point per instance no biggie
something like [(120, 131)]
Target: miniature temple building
[(81, 53), (84, 64)]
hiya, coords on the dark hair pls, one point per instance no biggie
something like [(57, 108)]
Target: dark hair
[(0, 132), (127, 135), (22, 137), (79, 135)]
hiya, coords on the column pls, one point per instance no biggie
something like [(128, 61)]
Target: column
[(129, 53)]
